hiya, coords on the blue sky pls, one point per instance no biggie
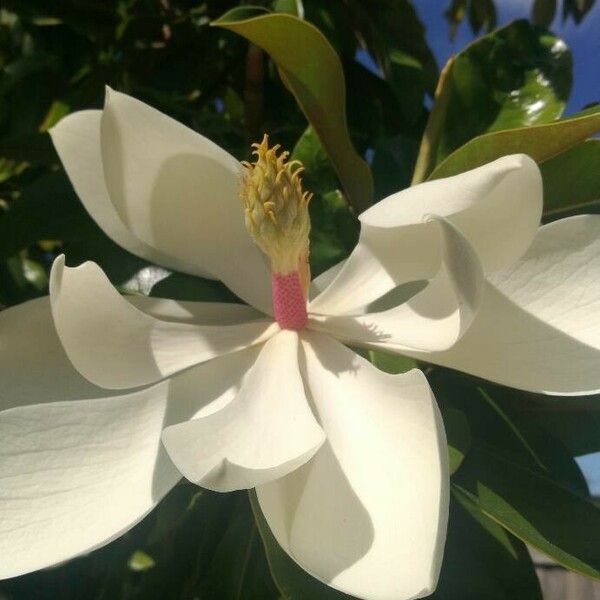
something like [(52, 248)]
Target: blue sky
[(583, 39)]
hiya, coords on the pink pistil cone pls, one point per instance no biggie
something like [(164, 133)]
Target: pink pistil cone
[(289, 303)]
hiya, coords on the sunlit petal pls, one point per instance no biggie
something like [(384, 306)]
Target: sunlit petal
[(265, 432), (367, 515), (115, 345), (497, 207)]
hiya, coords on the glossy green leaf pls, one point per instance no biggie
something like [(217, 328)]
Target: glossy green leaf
[(541, 512), (572, 179), (315, 77), (293, 582), (518, 75), (482, 560), (541, 142)]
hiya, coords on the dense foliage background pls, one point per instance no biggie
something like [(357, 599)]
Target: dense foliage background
[(362, 132)]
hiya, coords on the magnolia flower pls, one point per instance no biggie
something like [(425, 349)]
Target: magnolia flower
[(349, 463)]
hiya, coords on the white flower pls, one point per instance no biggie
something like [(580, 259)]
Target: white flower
[(349, 463)]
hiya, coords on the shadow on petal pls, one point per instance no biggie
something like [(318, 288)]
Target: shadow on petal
[(325, 528), (195, 214), (204, 389)]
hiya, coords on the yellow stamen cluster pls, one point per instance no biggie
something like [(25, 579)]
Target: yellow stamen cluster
[(276, 208)]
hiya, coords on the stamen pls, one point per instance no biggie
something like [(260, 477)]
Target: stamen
[(276, 206), (276, 213)]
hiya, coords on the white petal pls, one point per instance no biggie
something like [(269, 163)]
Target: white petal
[(76, 473), (539, 325), (497, 207), (368, 514), (322, 281), (115, 345), (433, 319), (267, 431), (33, 365), (179, 192), (77, 141)]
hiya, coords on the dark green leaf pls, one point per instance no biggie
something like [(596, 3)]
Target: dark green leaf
[(407, 80), (572, 179), (531, 443), (541, 512), (518, 75), (522, 478), (320, 92), (35, 148), (482, 560), (577, 427), (393, 164), (496, 421), (333, 233), (46, 209), (238, 569), (541, 142)]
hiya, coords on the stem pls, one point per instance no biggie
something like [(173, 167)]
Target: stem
[(433, 129)]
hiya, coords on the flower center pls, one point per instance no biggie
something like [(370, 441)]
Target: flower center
[(276, 214)]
